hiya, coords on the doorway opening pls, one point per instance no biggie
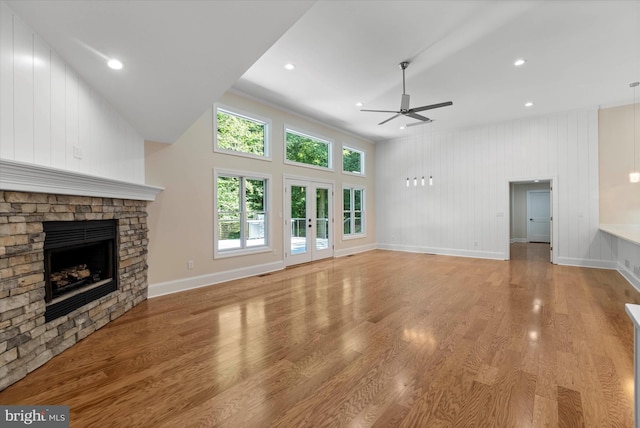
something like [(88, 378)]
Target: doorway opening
[(531, 211)]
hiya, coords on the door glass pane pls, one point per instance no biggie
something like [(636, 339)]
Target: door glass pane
[(298, 220), (322, 219)]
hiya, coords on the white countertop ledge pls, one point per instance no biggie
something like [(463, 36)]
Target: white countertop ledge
[(628, 232)]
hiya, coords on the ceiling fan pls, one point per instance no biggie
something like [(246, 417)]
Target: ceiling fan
[(404, 105)]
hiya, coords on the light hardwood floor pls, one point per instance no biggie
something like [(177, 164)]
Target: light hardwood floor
[(377, 339)]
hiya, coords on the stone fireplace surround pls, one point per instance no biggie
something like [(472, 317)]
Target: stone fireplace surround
[(26, 340)]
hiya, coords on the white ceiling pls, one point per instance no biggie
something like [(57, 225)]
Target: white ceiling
[(181, 56)]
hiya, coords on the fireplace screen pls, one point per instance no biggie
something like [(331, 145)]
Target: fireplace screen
[(80, 264)]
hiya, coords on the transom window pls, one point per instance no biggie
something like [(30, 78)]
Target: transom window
[(241, 214), (352, 161), (306, 149), (353, 211), (239, 133)]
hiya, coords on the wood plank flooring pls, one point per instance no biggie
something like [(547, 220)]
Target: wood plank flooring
[(377, 339)]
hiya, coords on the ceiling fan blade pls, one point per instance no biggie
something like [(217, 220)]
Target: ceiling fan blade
[(383, 111), (429, 107), (391, 118), (419, 123), (417, 116)]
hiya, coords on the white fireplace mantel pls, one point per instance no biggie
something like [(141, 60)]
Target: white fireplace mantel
[(26, 177)]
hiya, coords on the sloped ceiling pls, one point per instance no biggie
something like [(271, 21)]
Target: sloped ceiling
[(181, 56)]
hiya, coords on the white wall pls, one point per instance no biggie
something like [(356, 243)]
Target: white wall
[(46, 110), (466, 212)]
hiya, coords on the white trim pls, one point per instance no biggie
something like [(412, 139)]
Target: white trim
[(245, 115), (362, 161), (443, 251), (555, 213), (317, 137), (354, 250), (363, 213), (27, 177), (217, 254), (351, 237), (590, 263), (629, 276), (174, 286)]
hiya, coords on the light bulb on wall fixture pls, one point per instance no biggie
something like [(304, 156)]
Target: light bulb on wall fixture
[(407, 181), (415, 181), (431, 180), (634, 176), (422, 182)]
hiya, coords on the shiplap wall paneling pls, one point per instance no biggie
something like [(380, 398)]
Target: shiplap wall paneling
[(22, 91), (42, 109), (467, 210), (49, 116), (6, 83), (58, 113)]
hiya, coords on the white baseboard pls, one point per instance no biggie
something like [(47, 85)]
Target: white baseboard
[(169, 287), (444, 251), (598, 264), (629, 276), (354, 250)]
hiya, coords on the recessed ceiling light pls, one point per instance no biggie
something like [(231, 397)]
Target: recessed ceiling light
[(359, 104), (528, 104), (289, 66), (519, 62), (114, 64), (402, 127)]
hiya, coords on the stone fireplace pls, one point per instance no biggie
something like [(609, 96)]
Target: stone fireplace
[(29, 334)]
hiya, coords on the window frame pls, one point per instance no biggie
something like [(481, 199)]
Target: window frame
[(244, 115), (362, 161), (244, 250), (363, 233), (330, 143)]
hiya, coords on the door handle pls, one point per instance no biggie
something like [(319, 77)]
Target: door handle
[(530, 219)]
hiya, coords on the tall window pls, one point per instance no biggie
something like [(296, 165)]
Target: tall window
[(352, 161), (353, 211), (305, 149), (241, 213), (240, 134)]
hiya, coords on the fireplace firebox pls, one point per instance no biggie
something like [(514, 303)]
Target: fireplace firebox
[(80, 264)]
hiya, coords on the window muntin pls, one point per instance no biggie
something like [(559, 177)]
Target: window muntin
[(304, 149), (241, 134), (353, 211), (352, 161), (242, 215)]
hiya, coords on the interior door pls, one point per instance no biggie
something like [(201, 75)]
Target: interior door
[(308, 222), (539, 216)]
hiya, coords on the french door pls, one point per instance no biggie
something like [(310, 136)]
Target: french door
[(308, 221)]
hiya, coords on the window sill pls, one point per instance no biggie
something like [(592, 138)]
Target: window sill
[(350, 237), (241, 252)]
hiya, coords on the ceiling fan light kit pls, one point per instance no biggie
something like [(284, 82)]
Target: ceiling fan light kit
[(405, 110)]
